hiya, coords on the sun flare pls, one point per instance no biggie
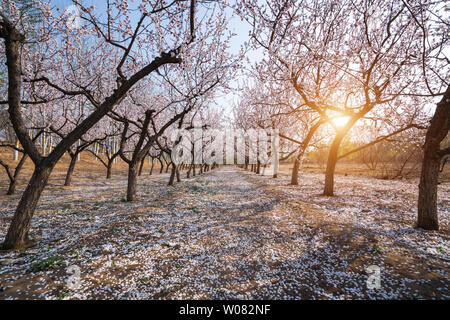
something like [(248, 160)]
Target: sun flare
[(341, 121)]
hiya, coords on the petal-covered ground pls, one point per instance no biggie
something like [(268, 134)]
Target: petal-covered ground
[(229, 234)]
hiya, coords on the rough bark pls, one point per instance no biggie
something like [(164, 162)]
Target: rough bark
[(331, 165), (427, 203), (16, 237), (132, 180)]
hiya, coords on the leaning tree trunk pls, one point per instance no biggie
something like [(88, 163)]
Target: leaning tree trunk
[(132, 179), (141, 166), (331, 165), (333, 155), (12, 187), (73, 161), (13, 182), (16, 237), (427, 204)]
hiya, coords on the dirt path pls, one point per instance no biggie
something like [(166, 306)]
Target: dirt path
[(225, 234)]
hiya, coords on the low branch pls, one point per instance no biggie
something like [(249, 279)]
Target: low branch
[(383, 138)]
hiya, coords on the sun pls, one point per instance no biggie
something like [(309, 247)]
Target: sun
[(340, 121)]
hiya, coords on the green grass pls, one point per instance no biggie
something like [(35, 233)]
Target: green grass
[(376, 248), (195, 188), (52, 262), (61, 296), (145, 279)]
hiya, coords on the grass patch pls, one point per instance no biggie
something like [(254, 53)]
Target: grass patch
[(376, 248), (52, 262)]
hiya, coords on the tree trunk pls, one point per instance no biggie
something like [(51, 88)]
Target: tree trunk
[(188, 173), (172, 175), (151, 167), (294, 178), (258, 167), (12, 187), (178, 176), (16, 237), (331, 165), (427, 203), (108, 168), (141, 166), (13, 182), (73, 161), (132, 179), (162, 166)]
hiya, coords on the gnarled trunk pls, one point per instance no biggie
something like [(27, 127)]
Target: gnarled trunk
[(16, 237), (427, 203)]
